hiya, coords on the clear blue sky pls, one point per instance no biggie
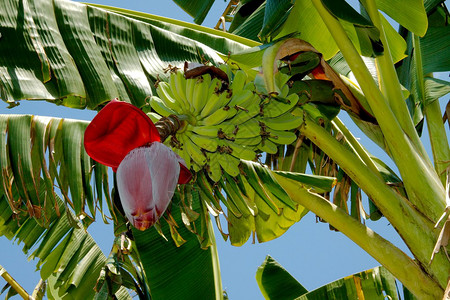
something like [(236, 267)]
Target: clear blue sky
[(310, 252)]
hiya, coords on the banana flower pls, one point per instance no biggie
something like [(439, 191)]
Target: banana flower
[(121, 136)]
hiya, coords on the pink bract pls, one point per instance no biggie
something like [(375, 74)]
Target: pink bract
[(123, 137), (146, 180)]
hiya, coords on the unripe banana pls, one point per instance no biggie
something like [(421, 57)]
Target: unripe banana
[(190, 84), (218, 116), (247, 129), (227, 69), (253, 142), (238, 83), (286, 121), (250, 86), (206, 143), (215, 86), (251, 111), (241, 99), (214, 170), (215, 103), (184, 155), (268, 147), (238, 151), (178, 85), (165, 94), (284, 91), (229, 164), (158, 105), (275, 108), (222, 130), (154, 116), (200, 95), (282, 137), (194, 151)]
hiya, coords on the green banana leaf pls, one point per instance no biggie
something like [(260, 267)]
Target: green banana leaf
[(249, 26), (180, 272), (196, 9), (32, 145), (412, 16), (68, 255), (81, 56), (276, 283), (376, 283), (434, 50)]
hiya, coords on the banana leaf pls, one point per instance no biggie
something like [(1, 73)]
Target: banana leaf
[(276, 283), (376, 283), (53, 147), (196, 9), (81, 56), (68, 256), (185, 272)]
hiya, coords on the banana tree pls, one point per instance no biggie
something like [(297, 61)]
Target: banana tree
[(248, 121)]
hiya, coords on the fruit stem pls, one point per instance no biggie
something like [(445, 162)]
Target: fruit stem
[(167, 126)]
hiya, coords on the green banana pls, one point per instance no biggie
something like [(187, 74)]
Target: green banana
[(250, 86), (282, 137), (178, 85), (184, 155), (238, 151), (238, 83), (194, 151), (214, 103), (274, 108), (244, 115), (241, 99), (227, 69), (286, 121), (214, 86), (268, 147), (206, 143), (154, 116), (254, 141), (218, 116), (281, 80), (200, 95), (262, 191), (158, 105), (165, 94), (247, 129), (224, 129), (214, 170), (190, 84), (228, 130), (229, 164)]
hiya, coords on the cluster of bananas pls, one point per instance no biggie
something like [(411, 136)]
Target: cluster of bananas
[(225, 123)]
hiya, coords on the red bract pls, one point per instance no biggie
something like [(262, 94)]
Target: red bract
[(123, 137)]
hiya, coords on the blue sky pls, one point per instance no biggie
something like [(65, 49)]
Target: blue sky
[(310, 252)]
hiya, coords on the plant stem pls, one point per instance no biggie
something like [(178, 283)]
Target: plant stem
[(357, 147), (416, 230), (390, 84), (432, 111), (423, 186), (14, 284), (215, 262), (395, 260)]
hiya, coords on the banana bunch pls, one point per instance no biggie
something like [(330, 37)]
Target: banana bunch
[(223, 124)]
